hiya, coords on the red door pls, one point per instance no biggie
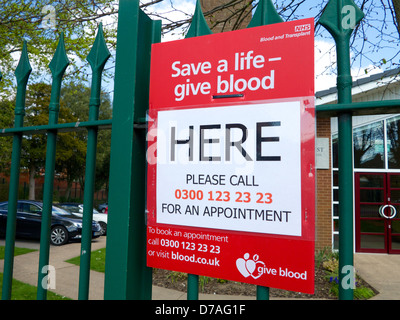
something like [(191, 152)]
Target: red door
[(377, 203)]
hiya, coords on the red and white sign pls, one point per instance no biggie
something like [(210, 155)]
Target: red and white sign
[(231, 180)]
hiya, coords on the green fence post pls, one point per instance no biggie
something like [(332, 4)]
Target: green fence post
[(340, 17), (265, 14), (193, 287), (57, 66), (262, 293), (126, 273), (198, 27), (97, 58), (22, 74)]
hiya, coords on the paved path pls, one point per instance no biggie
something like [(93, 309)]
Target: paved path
[(379, 270), (67, 275), (382, 271)]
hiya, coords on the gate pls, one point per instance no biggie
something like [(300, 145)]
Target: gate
[(127, 276)]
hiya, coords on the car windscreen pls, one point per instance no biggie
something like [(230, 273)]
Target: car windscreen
[(60, 211)]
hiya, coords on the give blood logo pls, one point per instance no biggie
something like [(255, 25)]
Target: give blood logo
[(255, 268), (250, 267)]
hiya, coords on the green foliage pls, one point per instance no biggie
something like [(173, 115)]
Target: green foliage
[(37, 101), (97, 260), (17, 251), (177, 276), (325, 254), (222, 281), (359, 293), (75, 102), (6, 121), (330, 263), (24, 291), (363, 293), (71, 146), (26, 20), (203, 280)]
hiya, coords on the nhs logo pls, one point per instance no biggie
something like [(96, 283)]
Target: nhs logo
[(303, 27)]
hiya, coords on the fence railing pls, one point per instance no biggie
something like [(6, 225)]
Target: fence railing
[(126, 275), (97, 59)]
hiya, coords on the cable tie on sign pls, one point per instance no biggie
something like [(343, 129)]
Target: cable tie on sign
[(222, 96)]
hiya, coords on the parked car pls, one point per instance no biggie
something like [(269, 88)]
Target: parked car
[(103, 208), (77, 209), (64, 225)]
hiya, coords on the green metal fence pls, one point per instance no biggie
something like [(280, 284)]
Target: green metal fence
[(97, 59), (126, 275)]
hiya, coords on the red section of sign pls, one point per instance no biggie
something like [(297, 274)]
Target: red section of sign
[(269, 62), (261, 260), (252, 66)]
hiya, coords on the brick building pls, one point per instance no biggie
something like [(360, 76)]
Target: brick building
[(377, 175), (376, 166)]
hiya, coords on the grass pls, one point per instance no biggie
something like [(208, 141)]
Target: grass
[(326, 257), (24, 291), (17, 251), (97, 260)]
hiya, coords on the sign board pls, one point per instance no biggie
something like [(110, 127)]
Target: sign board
[(322, 153), (231, 156)]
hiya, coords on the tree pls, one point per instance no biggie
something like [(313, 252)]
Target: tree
[(75, 98), (40, 23), (374, 44), (396, 12), (71, 146), (6, 121), (33, 153), (32, 20)]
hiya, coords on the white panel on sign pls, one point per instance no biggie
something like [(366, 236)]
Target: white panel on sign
[(231, 168)]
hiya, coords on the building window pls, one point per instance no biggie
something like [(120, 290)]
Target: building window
[(393, 142), (369, 147)]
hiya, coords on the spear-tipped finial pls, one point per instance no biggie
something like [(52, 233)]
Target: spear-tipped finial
[(97, 58), (265, 14), (60, 60), (24, 68), (22, 73), (198, 26), (99, 53), (340, 17), (57, 66)]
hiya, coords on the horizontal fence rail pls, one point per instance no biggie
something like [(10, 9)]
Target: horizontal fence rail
[(359, 108), (59, 127)]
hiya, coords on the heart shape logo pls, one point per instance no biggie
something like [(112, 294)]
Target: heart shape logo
[(250, 266), (241, 266), (247, 266)]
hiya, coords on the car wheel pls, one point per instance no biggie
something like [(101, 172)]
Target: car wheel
[(58, 236), (103, 226)]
